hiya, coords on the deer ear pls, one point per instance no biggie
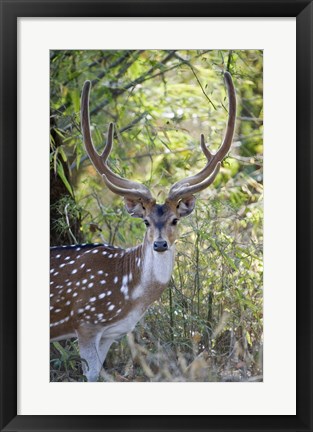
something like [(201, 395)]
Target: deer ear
[(186, 206), (134, 208)]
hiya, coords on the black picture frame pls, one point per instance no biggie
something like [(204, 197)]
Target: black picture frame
[(10, 11)]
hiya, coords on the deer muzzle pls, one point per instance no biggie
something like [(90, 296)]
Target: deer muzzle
[(160, 245)]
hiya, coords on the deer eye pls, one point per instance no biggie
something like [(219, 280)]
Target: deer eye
[(174, 221), (146, 222)]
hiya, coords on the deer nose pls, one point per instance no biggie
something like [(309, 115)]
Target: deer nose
[(160, 245)]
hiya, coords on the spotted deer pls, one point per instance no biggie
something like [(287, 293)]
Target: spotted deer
[(98, 292)]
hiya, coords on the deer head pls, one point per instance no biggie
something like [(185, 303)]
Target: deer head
[(160, 219)]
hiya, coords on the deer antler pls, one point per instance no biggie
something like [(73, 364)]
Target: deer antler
[(115, 183), (206, 176)]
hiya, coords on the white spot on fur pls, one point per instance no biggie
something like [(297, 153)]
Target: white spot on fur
[(124, 290)]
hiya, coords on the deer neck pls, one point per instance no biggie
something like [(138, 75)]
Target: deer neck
[(155, 272), (157, 267)]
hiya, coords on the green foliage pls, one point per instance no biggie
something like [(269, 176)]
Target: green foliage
[(67, 210), (160, 102)]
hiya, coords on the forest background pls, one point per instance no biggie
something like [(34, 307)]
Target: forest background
[(208, 325)]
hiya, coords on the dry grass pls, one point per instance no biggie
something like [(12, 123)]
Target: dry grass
[(143, 357)]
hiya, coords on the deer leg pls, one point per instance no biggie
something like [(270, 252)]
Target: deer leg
[(104, 346), (88, 342)]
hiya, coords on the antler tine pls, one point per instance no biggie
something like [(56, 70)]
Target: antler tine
[(92, 153), (205, 177), (114, 182), (185, 191)]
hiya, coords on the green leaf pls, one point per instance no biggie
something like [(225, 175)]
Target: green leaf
[(248, 338), (60, 171), (62, 153), (229, 261), (75, 96)]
